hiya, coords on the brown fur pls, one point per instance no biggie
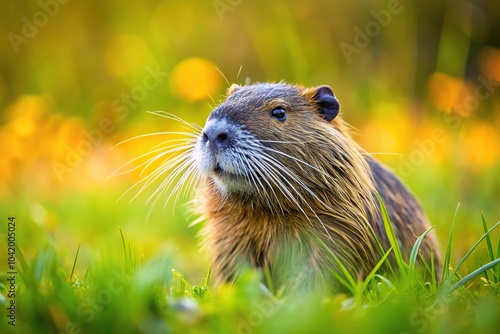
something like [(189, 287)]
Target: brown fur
[(332, 209)]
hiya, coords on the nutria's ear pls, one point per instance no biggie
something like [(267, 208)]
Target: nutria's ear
[(233, 88), (327, 102)]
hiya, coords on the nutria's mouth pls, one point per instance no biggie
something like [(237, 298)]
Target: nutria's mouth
[(227, 177), (219, 171)]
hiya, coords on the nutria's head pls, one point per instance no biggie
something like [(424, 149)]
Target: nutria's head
[(269, 143)]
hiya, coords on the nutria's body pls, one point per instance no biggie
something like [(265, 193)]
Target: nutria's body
[(285, 188)]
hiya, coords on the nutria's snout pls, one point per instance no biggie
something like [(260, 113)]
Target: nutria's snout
[(218, 153), (217, 136)]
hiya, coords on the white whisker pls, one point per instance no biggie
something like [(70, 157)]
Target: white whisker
[(277, 142), (173, 117), (251, 174), (299, 160), (258, 168), (119, 172), (168, 143), (284, 169), (176, 156), (169, 154), (163, 133), (271, 172), (168, 165), (383, 153), (185, 168)]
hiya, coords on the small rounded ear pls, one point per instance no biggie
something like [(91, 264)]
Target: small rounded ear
[(327, 102), (233, 88)]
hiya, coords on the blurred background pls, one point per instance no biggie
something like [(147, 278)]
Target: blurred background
[(418, 80)]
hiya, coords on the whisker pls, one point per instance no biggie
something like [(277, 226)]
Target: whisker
[(176, 140), (383, 153), (277, 141), (181, 169), (239, 72), (255, 180), (163, 133), (166, 166), (117, 172), (272, 173), (258, 166), (276, 163), (130, 188), (173, 117), (194, 178), (169, 164), (170, 153), (175, 158), (299, 160), (227, 81), (287, 171), (183, 185)]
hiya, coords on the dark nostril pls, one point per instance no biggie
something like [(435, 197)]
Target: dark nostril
[(216, 135), (222, 137)]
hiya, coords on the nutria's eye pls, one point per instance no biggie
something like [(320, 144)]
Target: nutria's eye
[(279, 114)]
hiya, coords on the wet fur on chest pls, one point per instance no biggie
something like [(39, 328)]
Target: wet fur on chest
[(297, 251)]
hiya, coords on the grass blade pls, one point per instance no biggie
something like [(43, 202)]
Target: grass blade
[(414, 251), (269, 280), (491, 253), (497, 270), (347, 280), (488, 239), (206, 279), (385, 280), (393, 241), (74, 262), (446, 263), (381, 251), (474, 247), (474, 274), (347, 275), (372, 274), (124, 249)]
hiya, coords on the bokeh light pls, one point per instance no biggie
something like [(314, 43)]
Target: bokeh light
[(195, 79), (433, 67)]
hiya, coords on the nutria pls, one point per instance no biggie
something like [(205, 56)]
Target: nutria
[(283, 187)]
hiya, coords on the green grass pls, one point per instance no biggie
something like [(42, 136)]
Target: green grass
[(125, 293), (87, 264)]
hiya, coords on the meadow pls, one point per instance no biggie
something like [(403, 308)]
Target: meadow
[(83, 251)]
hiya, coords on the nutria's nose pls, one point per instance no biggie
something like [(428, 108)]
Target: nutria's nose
[(216, 136)]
